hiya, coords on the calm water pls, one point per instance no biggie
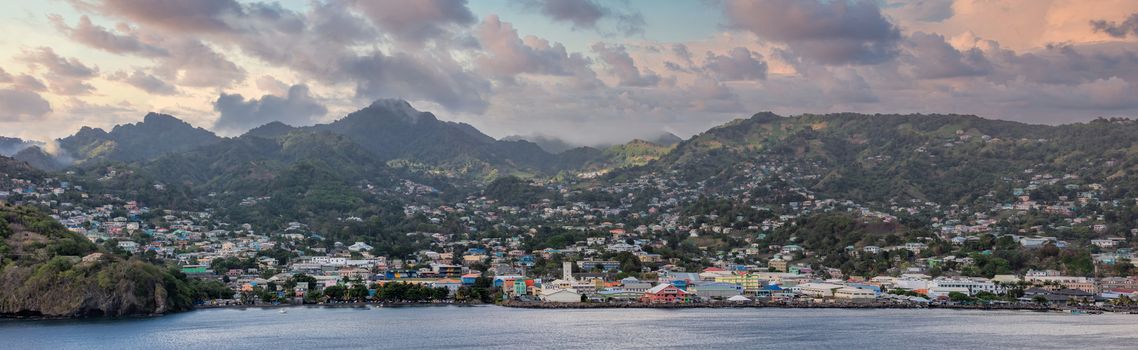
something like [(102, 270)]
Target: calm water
[(496, 327)]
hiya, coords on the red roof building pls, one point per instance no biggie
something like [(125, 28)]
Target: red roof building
[(666, 293)]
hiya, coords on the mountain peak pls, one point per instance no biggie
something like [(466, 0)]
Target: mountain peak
[(271, 130), (156, 118), (767, 116), (666, 139), (391, 107), (87, 131), (39, 158), (155, 135), (642, 142), (392, 103), (11, 145)]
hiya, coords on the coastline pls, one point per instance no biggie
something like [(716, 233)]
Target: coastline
[(754, 305), (329, 305), (633, 305), (8, 317)]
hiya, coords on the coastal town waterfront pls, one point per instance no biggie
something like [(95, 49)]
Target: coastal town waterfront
[(510, 328)]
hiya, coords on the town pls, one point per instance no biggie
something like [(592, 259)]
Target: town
[(664, 241)]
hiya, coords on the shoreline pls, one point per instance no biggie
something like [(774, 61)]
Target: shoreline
[(328, 305), (760, 305), (16, 318), (632, 305)]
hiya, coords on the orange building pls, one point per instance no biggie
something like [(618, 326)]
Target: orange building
[(666, 293)]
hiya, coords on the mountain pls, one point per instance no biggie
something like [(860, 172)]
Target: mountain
[(396, 132), (391, 130), (308, 176), (635, 153), (666, 139), (882, 158), (156, 135), (556, 145), (11, 145), (40, 159), (256, 166), (12, 168), (549, 144), (49, 271), (271, 130)]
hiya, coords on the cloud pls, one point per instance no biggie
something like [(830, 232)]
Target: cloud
[(272, 85), (582, 13), (29, 83), (621, 65), (1065, 64), (709, 95), (196, 64), (57, 65), (738, 64), (103, 39), (77, 106), (299, 107), (681, 51), (68, 76), (169, 15), (338, 24), (437, 79), (833, 32), (846, 86), (587, 14), (414, 22), (1115, 29), (930, 57), (1111, 94), (5, 77), (508, 55), (923, 10), (17, 105), (145, 82)]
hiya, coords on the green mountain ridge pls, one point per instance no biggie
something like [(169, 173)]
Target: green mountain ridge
[(876, 158), (156, 135)]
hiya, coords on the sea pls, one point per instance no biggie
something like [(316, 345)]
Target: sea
[(495, 327)]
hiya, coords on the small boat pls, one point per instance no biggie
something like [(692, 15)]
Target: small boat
[(283, 311)]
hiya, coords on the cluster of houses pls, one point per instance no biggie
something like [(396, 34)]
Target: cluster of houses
[(493, 239)]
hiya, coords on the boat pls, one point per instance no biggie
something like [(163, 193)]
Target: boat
[(283, 311)]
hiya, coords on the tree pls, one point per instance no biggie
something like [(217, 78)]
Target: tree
[(959, 297), (441, 293), (335, 292)]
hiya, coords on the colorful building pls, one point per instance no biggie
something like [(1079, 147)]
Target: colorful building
[(666, 293), (751, 283)]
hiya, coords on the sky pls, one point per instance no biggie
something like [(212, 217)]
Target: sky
[(587, 71)]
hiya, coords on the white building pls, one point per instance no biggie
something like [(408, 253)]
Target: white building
[(819, 290), (561, 296), (359, 247), (855, 294), (129, 246), (970, 286)]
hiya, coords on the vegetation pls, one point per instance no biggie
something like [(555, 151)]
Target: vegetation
[(881, 158), (49, 271)]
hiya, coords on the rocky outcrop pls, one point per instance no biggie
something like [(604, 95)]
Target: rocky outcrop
[(43, 275)]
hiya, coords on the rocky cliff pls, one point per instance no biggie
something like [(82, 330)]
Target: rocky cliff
[(48, 271)]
